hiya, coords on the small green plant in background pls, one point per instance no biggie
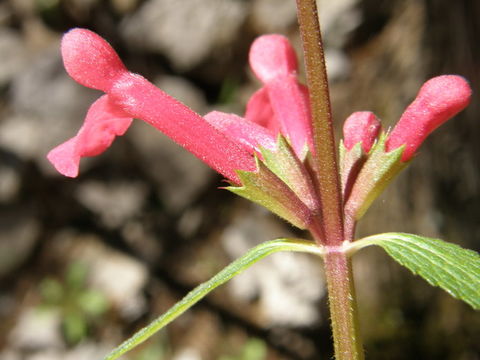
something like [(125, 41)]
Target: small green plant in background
[(157, 350), (253, 349), (79, 306)]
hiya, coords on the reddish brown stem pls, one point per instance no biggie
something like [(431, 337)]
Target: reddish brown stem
[(343, 307), (324, 162)]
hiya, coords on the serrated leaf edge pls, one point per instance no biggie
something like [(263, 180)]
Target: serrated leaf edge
[(399, 239)]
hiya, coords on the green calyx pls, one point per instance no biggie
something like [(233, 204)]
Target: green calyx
[(290, 169), (349, 166), (377, 172), (265, 188), (282, 184)]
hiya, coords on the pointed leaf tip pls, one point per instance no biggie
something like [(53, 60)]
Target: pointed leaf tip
[(90, 60), (272, 56)]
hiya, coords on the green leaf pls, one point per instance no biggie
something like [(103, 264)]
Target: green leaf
[(449, 266), (235, 268), (93, 302), (52, 291), (75, 327), (76, 275)]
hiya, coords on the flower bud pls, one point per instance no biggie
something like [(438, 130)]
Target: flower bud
[(438, 100), (361, 127)]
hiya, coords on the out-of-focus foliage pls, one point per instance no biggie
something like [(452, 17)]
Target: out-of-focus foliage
[(79, 306)]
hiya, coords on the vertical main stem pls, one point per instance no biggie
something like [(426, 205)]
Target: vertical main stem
[(343, 307), (338, 270), (324, 162)]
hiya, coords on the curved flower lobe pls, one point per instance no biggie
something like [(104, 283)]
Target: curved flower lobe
[(102, 124)]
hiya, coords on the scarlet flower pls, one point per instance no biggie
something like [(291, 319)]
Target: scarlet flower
[(226, 142), (92, 62)]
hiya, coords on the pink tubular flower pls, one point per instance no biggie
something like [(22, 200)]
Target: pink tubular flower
[(92, 62), (361, 127), (249, 134), (438, 100), (228, 143), (282, 105)]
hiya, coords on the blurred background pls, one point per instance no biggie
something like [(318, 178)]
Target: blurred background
[(85, 262)]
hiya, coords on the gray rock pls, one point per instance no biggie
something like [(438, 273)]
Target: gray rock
[(178, 173), (47, 108), (37, 329), (18, 232), (288, 285), (338, 19), (5, 13), (106, 267), (272, 16), (9, 183), (115, 203), (185, 31), (13, 55)]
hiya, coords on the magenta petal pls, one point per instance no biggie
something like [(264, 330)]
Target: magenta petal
[(259, 110), (246, 132), (361, 126), (438, 100), (274, 62), (142, 100), (65, 158), (90, 60), (272, 56), (290, 103), (102, 124)]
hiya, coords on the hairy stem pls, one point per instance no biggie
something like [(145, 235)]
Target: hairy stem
[(343, 306), (324, 160)]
